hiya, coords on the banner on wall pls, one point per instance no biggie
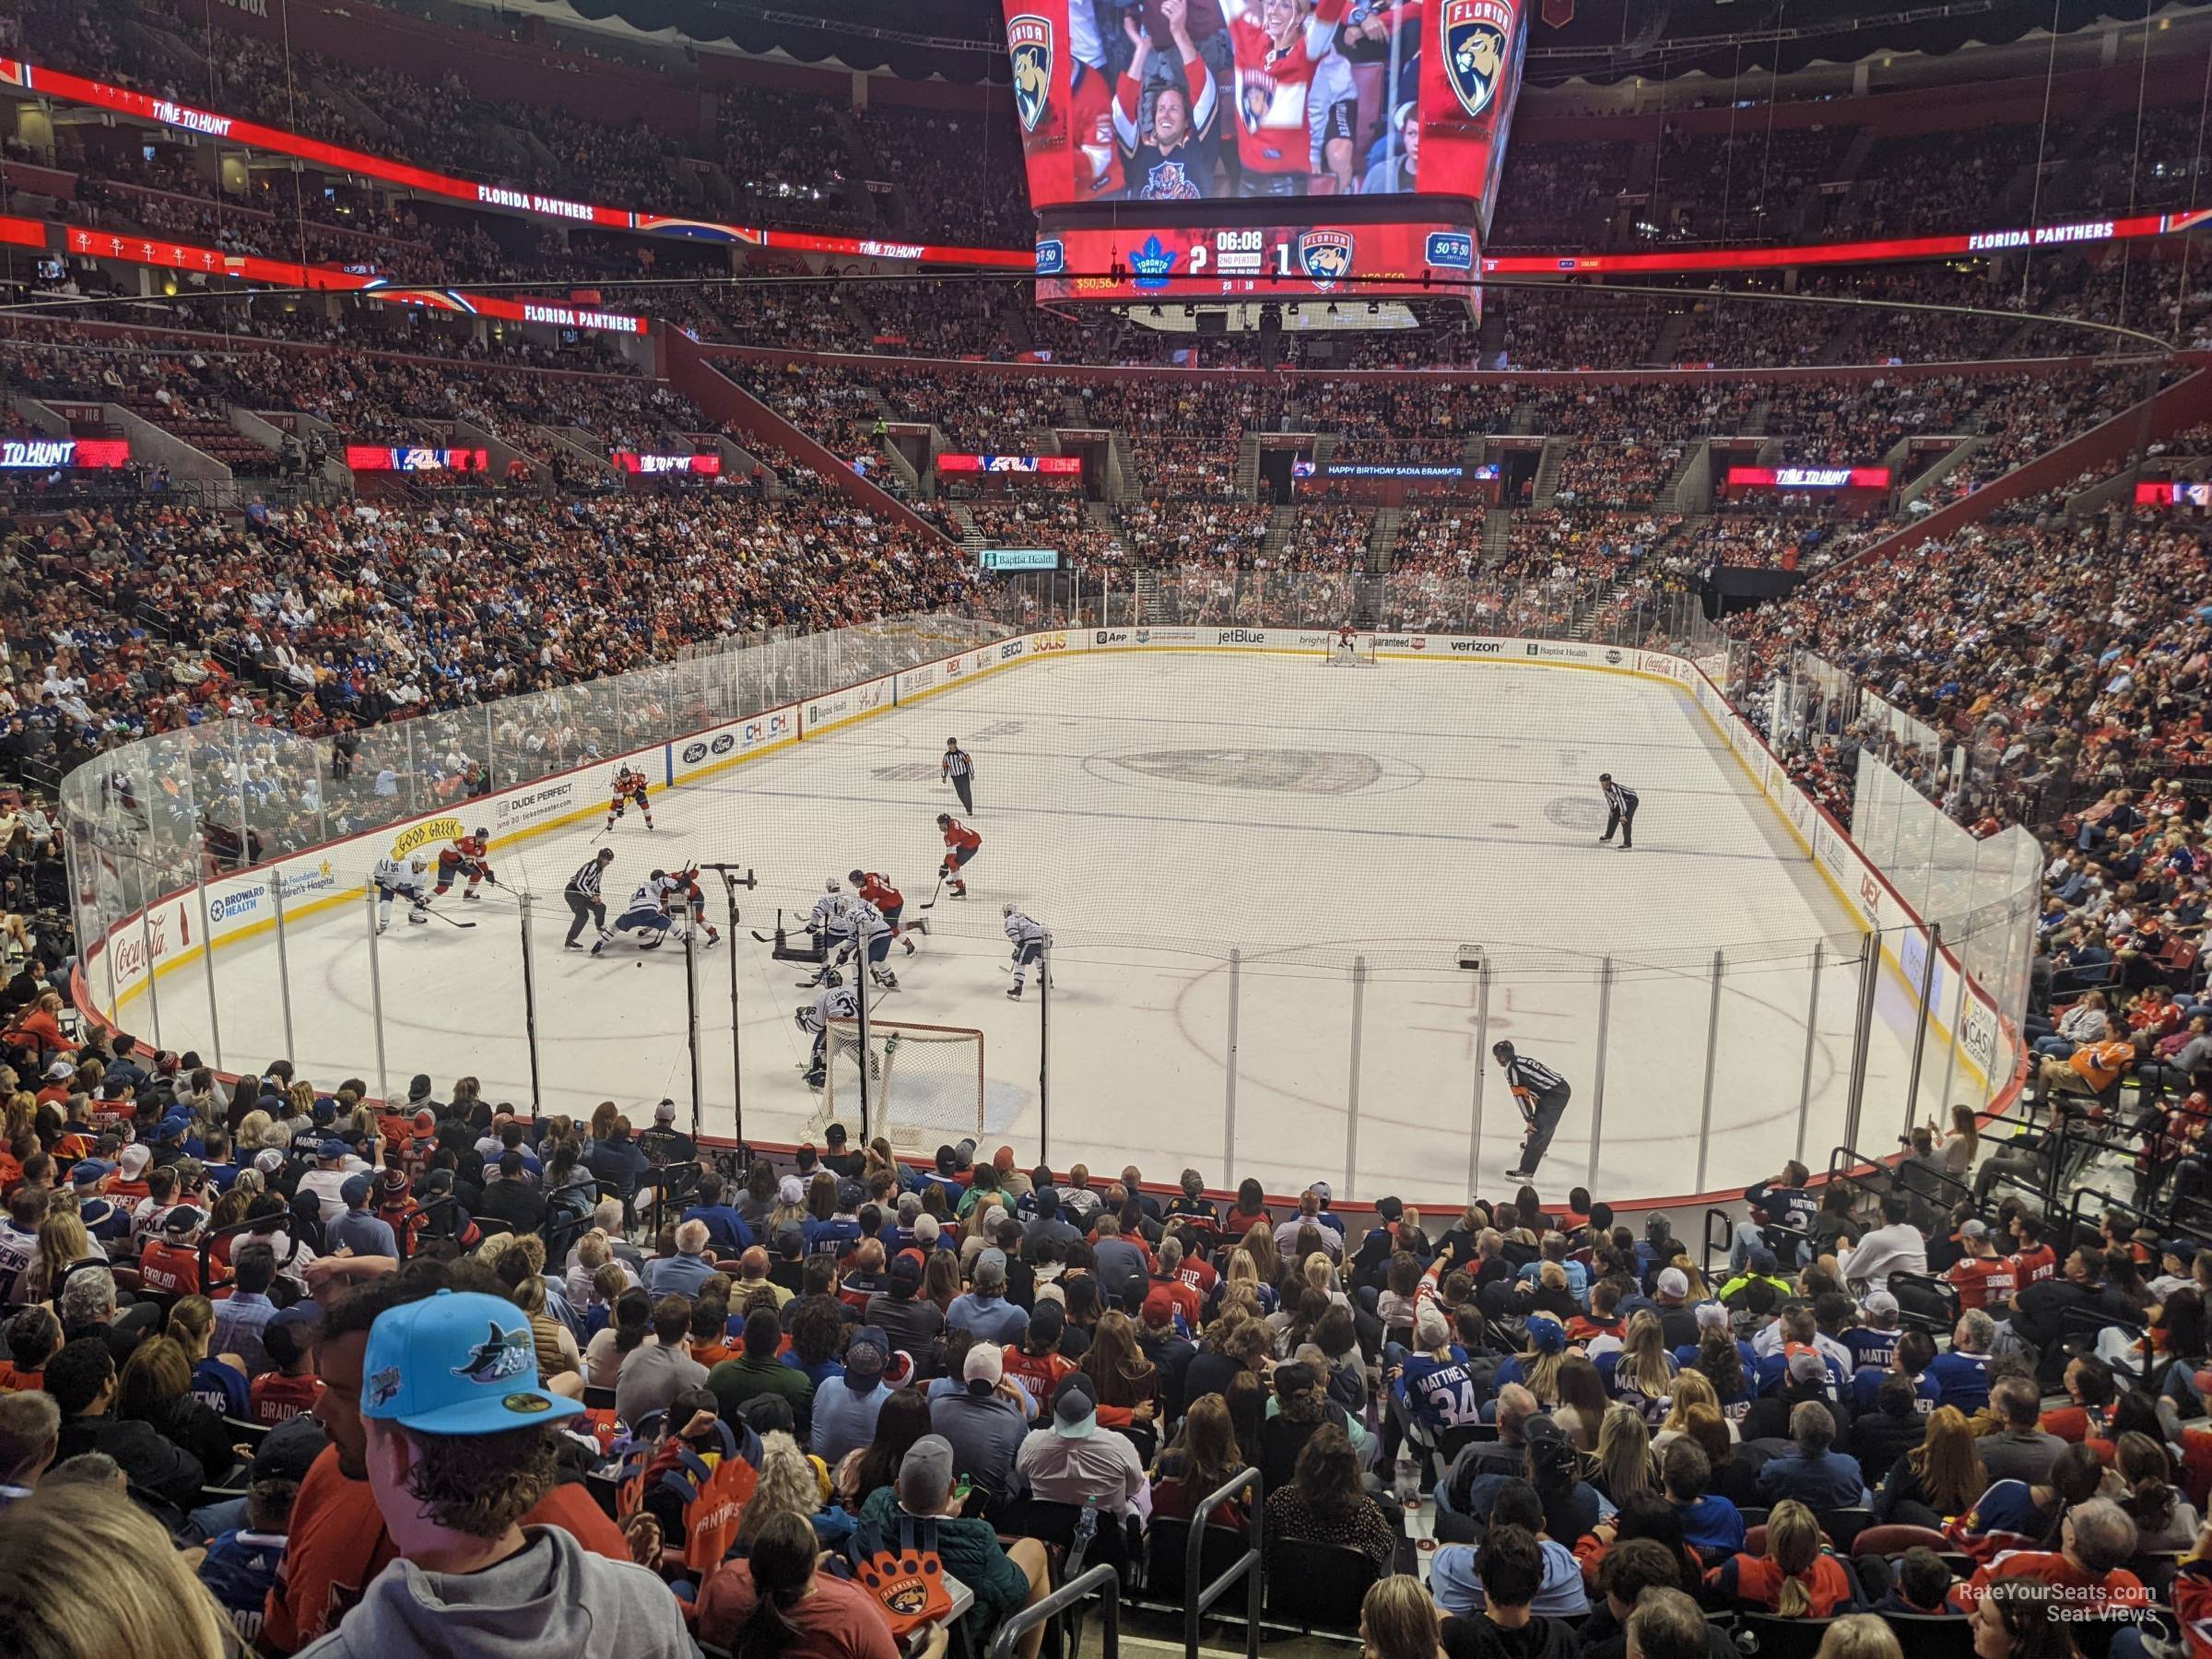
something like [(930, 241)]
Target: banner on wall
[(415, 458), (696, 466), (63, 454)]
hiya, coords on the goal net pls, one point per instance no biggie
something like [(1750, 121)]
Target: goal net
[(925, 1083), (1358, 652)]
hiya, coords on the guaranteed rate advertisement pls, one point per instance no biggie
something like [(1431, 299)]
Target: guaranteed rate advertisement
[(1176, 101), (1289, 261)]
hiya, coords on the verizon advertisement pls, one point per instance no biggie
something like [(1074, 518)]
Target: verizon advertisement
[(1295, 261)]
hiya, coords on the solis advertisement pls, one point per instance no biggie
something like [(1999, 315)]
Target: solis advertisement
[(1295, 261), (1170, 100)]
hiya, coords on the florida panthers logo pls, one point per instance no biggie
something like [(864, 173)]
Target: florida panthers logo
[(1325, 257), (1476, 34), (1030, 44), (1169, 182)]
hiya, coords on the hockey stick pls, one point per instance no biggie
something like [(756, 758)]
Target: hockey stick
[(930, 902), (446, 919)]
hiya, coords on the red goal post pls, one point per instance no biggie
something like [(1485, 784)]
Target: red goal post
[(1358, 648), (925, 1083)]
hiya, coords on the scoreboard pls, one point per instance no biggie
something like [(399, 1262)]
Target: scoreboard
[(1307, 260), (1290, 149)]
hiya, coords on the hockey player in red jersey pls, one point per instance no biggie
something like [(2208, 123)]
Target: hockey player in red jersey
[(1278, 44), (629, 785), (889, 901), (684, 888), (465, 856), (961, 844)]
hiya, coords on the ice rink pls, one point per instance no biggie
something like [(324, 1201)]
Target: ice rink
[(1157, 810)]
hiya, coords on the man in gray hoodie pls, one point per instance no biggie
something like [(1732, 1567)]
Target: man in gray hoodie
[(459, 1447)]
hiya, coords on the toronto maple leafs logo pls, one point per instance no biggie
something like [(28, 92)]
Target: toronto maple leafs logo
[(1153, 264), (500, 1355), (1475, 34), (1325, 257), (1030, 44)]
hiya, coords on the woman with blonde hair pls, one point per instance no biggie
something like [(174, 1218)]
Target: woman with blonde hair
[(1691, 1390), (59, 1543), (1640, 1373), (1536, 1367), (1699, 1291), (218, 1380), (1397, 1621), (1796, 1578), (1940, 1477), (1260, 1243), (63, 1244), (1626, 1463), (253, 1131), (1244, 1271), (790, 1484), (1860, 1636)]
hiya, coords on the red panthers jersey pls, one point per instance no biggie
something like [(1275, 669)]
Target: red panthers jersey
[(470, 848), (958, 834), (630, 783), (881, 893)]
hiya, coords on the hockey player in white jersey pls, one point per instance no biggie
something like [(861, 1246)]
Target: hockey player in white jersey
[(410, 875), (838, 1001), (872, 939), (646, 913), (1030, 941), (831, 922)]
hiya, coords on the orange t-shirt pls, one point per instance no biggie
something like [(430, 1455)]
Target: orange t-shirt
[(338, 1543)]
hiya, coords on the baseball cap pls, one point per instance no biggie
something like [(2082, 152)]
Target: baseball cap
[(791, 1190), (1711, 1316), (868, 1354), (1160, 1307), (426, 1121), (1540, 1431), (87, 1170), (1320, 1190), (665, 1112), (268, 1161), (926, 1229), (60, 1069), (834, 1136), (1074, 1413), (1879, 1304), (926, 1473), (456, 1362), (1673, 1281), (1806, 1364), (790, 1240), (906, 1272), (1970, 1230), (333, 1147), (2182, 1249), (1390, 1210), (136, 1156), (1762, 1261), (986, 1365), (182, 1219), (289, 1450), (357, 1190), (1429, 1330)]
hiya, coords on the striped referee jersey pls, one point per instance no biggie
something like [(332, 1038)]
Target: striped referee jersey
[(1620, 798), (584, 884), (1539, 1078)]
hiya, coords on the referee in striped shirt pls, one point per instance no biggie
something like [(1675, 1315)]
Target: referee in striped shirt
[(583, 894), (959, 771), (1542, 1095), (1620, 810)]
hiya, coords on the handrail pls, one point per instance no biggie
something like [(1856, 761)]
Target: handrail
[(1104, 1578), (208, 1237), (2074, 1216), (1727, 1241), (1893, 1172), (1246, 1567)]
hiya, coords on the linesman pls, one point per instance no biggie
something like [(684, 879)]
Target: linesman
[(585, 905), (1620, 810), (959, 771)]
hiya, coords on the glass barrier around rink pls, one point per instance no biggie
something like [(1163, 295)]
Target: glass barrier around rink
[(1792, 1024)]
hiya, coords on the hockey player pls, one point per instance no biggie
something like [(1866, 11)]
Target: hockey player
[(647, 912), (961, 844), (872, 939), (838, 1001), (409, 876), (629, 785), (831, 928), (465, 856), (1030, 942), (684, 886), (878, 890)]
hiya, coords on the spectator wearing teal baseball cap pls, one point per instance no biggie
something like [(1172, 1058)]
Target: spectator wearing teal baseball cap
[(460, 1446)]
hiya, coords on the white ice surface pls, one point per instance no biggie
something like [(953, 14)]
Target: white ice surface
[(1155, 810)]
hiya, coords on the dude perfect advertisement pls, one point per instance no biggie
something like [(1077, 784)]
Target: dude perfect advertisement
[(1165, 100)]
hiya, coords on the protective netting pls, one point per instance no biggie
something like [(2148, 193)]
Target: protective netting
[(925, 1088)]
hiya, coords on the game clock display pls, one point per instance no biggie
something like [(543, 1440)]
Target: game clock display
[(1291, 262)]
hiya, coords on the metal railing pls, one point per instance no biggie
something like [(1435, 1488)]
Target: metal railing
[(1102, 1579), (1246, 1569)]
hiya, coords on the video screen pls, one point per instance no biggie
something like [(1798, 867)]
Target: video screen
[(1306, 260), (1168, 100)]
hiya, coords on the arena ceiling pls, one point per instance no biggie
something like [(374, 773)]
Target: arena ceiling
[(1596, 41)]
